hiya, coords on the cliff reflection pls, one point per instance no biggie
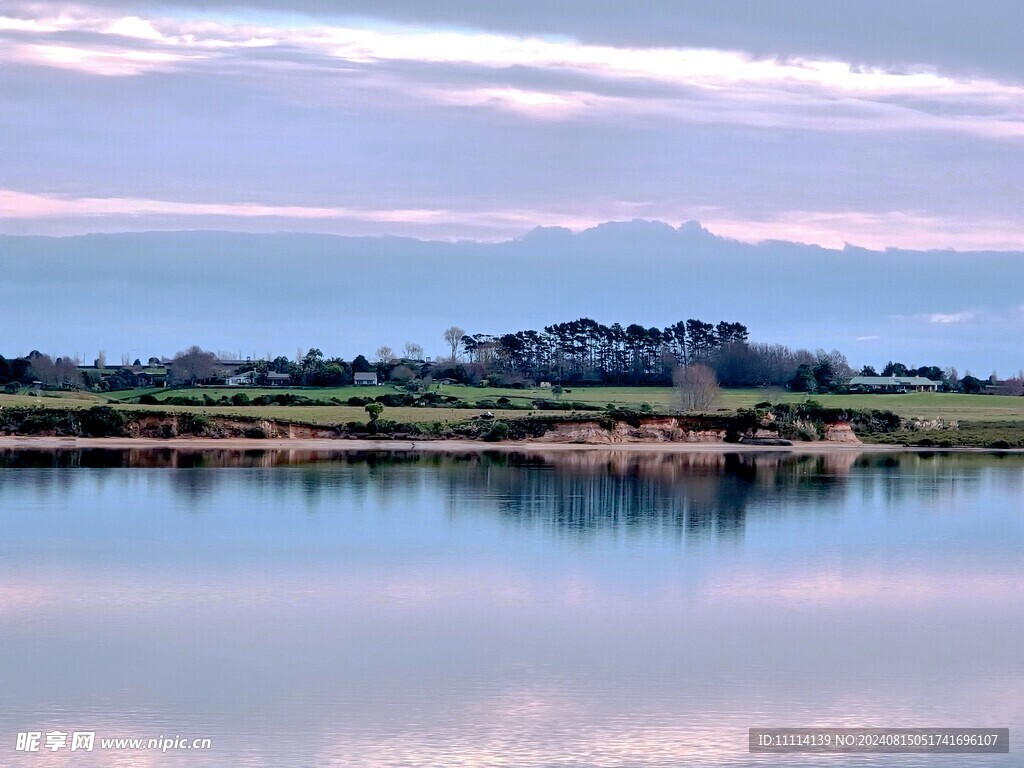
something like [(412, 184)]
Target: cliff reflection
[(574, 492)]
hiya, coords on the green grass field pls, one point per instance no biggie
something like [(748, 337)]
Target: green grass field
[(324, 395), (930, 405), (975, 408)]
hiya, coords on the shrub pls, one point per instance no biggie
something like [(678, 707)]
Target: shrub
[(396, 401), (1001, 444), (33, 425), (255, 433), (486, 404), (240, 399), (192, 423), (148, 400), (181, 400), (357, 402), (630, 417), (103, 421), (497, 432), (12, 387)]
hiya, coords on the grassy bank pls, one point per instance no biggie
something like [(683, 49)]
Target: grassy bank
[(919, 405), (949, 419)]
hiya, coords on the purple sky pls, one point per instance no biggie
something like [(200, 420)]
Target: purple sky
[(884, 124)]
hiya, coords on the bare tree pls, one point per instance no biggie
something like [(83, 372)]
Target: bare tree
[(193, 365), (453, 336), (697, 387), (67, 372), (101, 359), (413, 351), (43, 369), (385, 354), (403, 374)]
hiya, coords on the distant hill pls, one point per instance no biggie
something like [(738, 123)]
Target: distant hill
[(156, 292)]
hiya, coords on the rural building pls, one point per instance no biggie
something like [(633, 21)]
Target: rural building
[(152, 378), (366, 379), (239, 380), (893, 384), (279, 379)]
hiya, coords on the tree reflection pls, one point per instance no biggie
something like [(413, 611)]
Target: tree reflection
[(692, 495)]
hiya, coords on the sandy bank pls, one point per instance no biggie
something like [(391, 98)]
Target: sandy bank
[(446, 446)]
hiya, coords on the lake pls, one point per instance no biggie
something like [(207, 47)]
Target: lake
[(592, 608)]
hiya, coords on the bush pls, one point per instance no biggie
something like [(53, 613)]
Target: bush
[(255, 433), (396, 401), (103, 421), (181, 400), (148, 400), (240, 399), (497, 432), (1000, 444), (629, 417), (34, 425), (12, 387), (486, 404), (357, 402), (192, 423)]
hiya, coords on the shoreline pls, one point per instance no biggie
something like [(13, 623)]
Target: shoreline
[(29, 442)]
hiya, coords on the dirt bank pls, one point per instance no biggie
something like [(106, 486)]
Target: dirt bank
[(673, 429), (9, 442)]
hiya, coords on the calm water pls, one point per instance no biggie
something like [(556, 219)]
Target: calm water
[(578, 609)]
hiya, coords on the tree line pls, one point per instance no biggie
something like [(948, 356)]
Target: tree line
[(585, 351), (577, 352)]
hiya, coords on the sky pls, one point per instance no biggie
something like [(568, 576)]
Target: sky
[(880, 124), (137, 295), (882, 140)]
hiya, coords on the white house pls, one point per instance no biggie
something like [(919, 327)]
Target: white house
[(365, 379)]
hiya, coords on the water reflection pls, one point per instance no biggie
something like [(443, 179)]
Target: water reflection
[(695, 494), (607, 608)]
